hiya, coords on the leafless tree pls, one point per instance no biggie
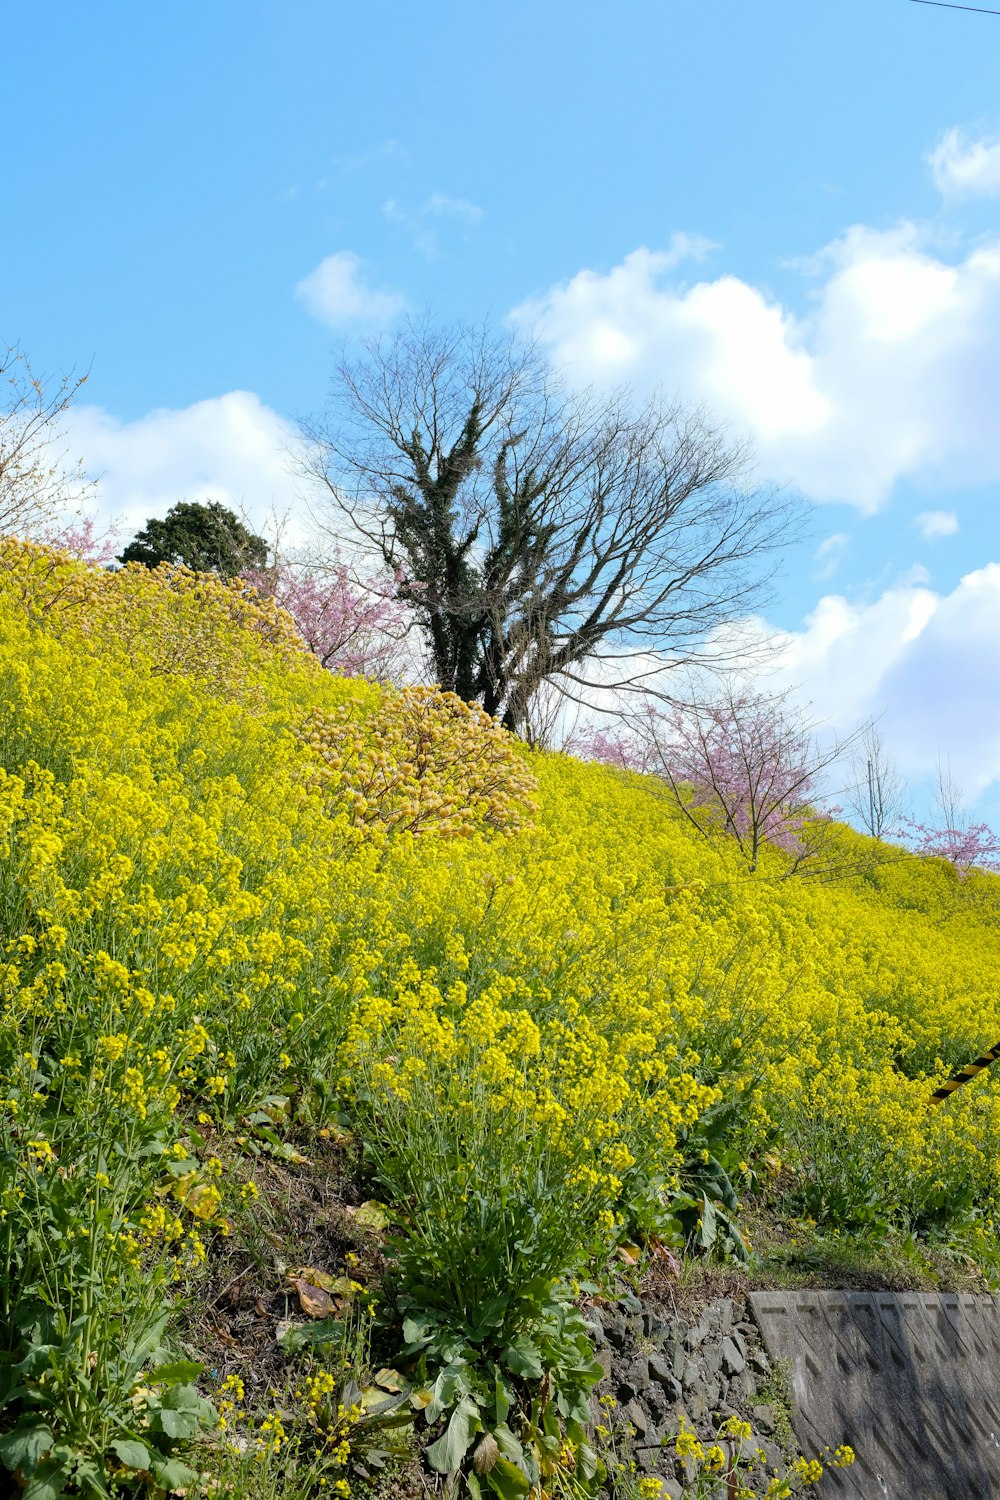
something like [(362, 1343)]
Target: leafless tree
[(541, 535), (749, 767), (949, 796), (878, 796), (37, 480)]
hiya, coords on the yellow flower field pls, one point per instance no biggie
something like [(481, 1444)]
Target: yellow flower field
[(230, 879)]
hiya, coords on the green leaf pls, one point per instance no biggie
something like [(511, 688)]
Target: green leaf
[(187, 1398), (47, 1482), (25, 1445), (180, 1371), (522, 1358), (708, 1231), (506, 1480), (454, 1380), (311, 1335), (489, 1315), (416, 1331), (501, 1397), (446, 1455), (586, 1461), (174, 1424), (147, 1345), (134, 1455), (371, 1215), (508, 1444), (171, 1474)]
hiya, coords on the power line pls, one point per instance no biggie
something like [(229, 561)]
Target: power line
[(948, 5)]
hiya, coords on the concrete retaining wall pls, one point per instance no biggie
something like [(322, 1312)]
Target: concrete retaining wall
[(910, 1380)]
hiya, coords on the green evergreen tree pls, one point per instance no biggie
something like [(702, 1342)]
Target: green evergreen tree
[(206, 537)]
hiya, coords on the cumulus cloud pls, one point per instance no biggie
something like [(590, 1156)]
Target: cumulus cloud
[(230, 448), (935, 523), (964, 165), (337, 293), (894, 371), (916, 659)]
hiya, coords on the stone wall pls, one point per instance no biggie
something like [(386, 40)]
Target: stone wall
[(706, 1367)]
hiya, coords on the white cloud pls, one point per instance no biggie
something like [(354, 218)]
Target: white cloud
[(337, 294), (422, 219), (963, 165), (230, 448), (935, 523), (924, 663), (895, 371), (829, 553)]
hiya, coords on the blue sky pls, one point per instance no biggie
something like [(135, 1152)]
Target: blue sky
[(786, 209)]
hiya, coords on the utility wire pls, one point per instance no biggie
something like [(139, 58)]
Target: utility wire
[(979, 10)]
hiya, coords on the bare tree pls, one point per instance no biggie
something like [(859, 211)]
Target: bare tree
[(878, 796), (953, 835), (541, 535), (744, 766), (37, 481)]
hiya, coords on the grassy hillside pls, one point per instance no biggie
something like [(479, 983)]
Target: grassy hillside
[(257, 917)]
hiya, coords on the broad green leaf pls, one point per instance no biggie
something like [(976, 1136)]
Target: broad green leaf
[(47, 1482), (133, 1455), (454, 1380), (446, 1455), (708, 1231), (522, 1358), (506, 1480), (174, 1424), (586, 1461), (171, 1474), (294, 1336), (508, 1444), (490, 1315), (178, 1372), (26, 1445), (186, 1398), (415, 1332)]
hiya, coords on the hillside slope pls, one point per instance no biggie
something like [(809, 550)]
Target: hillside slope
[(251, 908)]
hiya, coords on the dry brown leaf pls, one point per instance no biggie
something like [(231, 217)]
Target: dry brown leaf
[(223, 1336), (660, 1251), (314, 1302)]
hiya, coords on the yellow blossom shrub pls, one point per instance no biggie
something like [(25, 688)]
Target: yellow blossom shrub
[(422, 761)]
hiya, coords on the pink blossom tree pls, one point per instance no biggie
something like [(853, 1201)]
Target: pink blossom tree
[(611, 747), (80, 537), (354, 626), (744, 765), (965, 845)]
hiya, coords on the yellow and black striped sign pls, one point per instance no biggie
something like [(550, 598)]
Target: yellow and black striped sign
[(966, 1074)]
